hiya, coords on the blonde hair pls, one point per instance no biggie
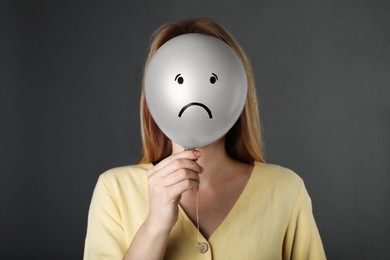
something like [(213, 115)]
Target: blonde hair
[(243, 142)]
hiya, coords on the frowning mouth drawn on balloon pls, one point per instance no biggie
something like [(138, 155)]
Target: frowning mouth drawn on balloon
[(196, 104)]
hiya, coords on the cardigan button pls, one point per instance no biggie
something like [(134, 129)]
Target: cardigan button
[(203, 247)]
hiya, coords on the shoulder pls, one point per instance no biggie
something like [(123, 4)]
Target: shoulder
[(278, 179), (127, 171), (124, 176), (277, 173)]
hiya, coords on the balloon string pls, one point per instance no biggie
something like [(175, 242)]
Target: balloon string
[(197, 220)]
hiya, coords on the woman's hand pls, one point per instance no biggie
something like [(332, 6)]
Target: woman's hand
[(167, 181)]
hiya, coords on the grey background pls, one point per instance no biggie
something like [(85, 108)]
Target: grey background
[(70, 84)]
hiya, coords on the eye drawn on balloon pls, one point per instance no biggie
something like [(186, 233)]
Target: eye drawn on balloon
[(213, 78), (180, 80)]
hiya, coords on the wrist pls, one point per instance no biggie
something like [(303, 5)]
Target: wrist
[(156, 228)]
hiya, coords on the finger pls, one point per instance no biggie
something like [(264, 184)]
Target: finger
[(178, 176), (183, 186), (188, 154), (177, 165)]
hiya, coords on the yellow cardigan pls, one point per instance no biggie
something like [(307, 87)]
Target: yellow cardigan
[(272, 219)]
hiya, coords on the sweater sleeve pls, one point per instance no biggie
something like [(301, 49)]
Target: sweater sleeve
[(302, 240), (105, 237)]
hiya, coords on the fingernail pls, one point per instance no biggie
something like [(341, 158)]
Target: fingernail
[(196, 153)]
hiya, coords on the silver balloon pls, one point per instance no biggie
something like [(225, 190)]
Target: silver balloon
[(195, 89)]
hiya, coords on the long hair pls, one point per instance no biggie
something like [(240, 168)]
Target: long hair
[(243, 142)]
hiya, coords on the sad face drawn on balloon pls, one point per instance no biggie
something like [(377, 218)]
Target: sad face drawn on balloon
[(195, 89)]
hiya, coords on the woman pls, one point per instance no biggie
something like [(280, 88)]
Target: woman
[(247, 209)]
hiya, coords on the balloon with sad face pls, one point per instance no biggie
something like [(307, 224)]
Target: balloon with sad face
[(195, 89)]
